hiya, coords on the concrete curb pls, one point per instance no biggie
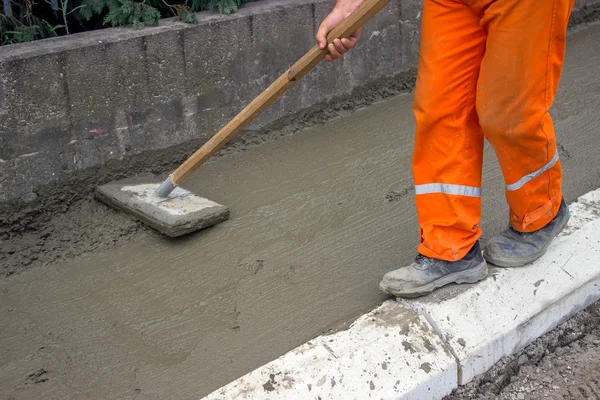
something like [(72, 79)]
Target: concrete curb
[(424, 349), (390, 350)]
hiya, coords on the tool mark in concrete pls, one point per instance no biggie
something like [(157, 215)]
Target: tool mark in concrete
[(395, 195), (253, 267), (36, 377)]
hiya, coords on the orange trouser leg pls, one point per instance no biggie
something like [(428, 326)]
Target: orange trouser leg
[(518, 80), (448, 150)]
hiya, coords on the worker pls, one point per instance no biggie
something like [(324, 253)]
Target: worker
[(487, 68)]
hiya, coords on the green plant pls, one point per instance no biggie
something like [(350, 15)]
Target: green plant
[(186, 14), (130, 13), (27, 20), (224, 6), (25, 29)]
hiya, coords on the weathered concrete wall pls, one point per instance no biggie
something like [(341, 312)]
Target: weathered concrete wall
[(74, 102)]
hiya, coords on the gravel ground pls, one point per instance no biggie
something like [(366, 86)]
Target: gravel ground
[(563, 364)]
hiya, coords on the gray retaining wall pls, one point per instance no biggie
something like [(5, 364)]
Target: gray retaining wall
[(74, 102)]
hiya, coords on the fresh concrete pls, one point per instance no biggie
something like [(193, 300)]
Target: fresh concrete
[(461, 330), (316, 219), (76, 102)]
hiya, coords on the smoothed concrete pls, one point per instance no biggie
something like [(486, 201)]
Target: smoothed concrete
[(317, 219), (311, 231)]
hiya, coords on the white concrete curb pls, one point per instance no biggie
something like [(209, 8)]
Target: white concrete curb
[(390, 350), (424, 349), (513, 307)]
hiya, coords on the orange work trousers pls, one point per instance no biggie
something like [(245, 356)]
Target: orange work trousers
[(487, 68)]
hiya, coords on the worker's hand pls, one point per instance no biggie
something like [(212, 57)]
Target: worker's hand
[(339, 47)]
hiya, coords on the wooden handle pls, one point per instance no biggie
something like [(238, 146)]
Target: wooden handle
[(354, 21)]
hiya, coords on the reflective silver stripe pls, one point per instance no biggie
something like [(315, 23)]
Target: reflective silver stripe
[(519, 184), (447, 188)]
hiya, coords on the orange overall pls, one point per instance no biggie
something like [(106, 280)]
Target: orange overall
[(488, 68)]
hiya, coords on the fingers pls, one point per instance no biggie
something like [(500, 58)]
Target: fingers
[(332, 20), (353, 39), (349, 43), (333, 52), (322, 35), (338, 47)]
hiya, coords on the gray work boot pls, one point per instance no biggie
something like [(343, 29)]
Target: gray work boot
[(426, 274), (516, 249)]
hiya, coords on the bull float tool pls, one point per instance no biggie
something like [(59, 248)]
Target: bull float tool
[(175, 211)]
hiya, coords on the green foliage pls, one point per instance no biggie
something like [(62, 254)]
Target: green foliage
[(224, 6), (186, 15), (29, 20), (12, 30), (91, 8), (130, 13), (198, 5)]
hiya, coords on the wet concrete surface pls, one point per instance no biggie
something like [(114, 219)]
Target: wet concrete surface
[(65, 221), (317, 218)]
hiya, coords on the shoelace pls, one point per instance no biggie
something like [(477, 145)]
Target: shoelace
[(421, 259)]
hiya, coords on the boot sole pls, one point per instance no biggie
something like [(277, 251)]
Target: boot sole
[(471, 275), (514, 262)]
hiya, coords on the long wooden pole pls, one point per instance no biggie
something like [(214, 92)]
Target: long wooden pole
[(315, 55)]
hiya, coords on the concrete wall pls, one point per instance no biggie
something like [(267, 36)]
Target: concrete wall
[(75, 102)]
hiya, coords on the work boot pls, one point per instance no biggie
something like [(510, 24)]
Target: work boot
[(426, 274), (516, 249)]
